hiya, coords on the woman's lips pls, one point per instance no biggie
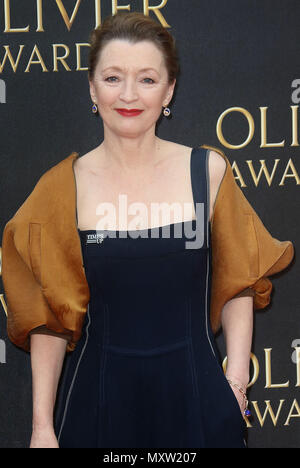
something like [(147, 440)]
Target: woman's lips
[(129, 113)]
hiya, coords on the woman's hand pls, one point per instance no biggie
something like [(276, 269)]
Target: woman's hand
[(44, 438)]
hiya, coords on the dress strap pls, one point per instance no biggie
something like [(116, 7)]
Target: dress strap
[(200, 186)]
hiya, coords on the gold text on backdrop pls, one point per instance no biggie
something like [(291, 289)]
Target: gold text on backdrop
[(251, 128), (268, 369), (69, 20), (36, 58), (285, 411)]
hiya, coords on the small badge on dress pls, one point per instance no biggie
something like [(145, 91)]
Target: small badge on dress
[(94, 238)]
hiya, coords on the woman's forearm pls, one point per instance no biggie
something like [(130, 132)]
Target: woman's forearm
[(47, 357), (237, 324)]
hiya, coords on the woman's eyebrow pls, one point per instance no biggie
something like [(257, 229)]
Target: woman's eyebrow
[(120, 69)]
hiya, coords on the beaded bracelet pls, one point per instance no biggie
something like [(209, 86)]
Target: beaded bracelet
[(247, 412)]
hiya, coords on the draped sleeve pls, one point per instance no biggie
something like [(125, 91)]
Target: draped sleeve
[(27, 308), (244, 252), (42, 272)]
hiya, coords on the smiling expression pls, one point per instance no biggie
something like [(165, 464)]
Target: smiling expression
[(130, 86)]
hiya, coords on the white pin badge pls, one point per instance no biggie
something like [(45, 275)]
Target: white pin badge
[(94, 238)]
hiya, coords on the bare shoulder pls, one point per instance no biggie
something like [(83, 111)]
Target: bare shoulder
[(217, 167), (85, 162)]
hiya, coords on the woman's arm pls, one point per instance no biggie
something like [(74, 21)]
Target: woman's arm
[(237, 324), (237, 314), (47, 357)]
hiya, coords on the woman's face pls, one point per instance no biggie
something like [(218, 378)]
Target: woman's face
[(130, 76)]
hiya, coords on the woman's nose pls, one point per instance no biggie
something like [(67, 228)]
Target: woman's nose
[(129, 90)]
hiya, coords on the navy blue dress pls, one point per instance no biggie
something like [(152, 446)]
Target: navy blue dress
[(145, 372)]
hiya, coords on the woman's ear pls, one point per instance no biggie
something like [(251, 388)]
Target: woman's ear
[(92, 91), (170, 91)]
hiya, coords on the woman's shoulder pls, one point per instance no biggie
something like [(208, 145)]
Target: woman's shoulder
[(218, 162), (57, 180), (217, 159), (217, 168), (217, 165)]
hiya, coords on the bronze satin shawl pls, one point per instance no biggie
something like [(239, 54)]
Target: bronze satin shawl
[(42, 266)]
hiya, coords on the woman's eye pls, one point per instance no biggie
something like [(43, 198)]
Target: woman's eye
[(111, 79), (114, 79), (151, 81)]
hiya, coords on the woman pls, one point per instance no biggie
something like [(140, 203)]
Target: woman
[(144, 372)]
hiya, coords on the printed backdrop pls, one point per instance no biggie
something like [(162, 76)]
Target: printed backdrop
[(239, 90)]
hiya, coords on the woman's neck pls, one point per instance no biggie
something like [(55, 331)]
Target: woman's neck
[(131, 153)]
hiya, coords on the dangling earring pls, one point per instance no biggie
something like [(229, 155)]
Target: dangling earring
[(94, 108), (167, 112)]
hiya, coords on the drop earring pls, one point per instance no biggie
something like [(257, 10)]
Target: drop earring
[(167, 112), (94, 108)]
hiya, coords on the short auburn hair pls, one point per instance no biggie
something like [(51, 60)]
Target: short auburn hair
[(134, 27)]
